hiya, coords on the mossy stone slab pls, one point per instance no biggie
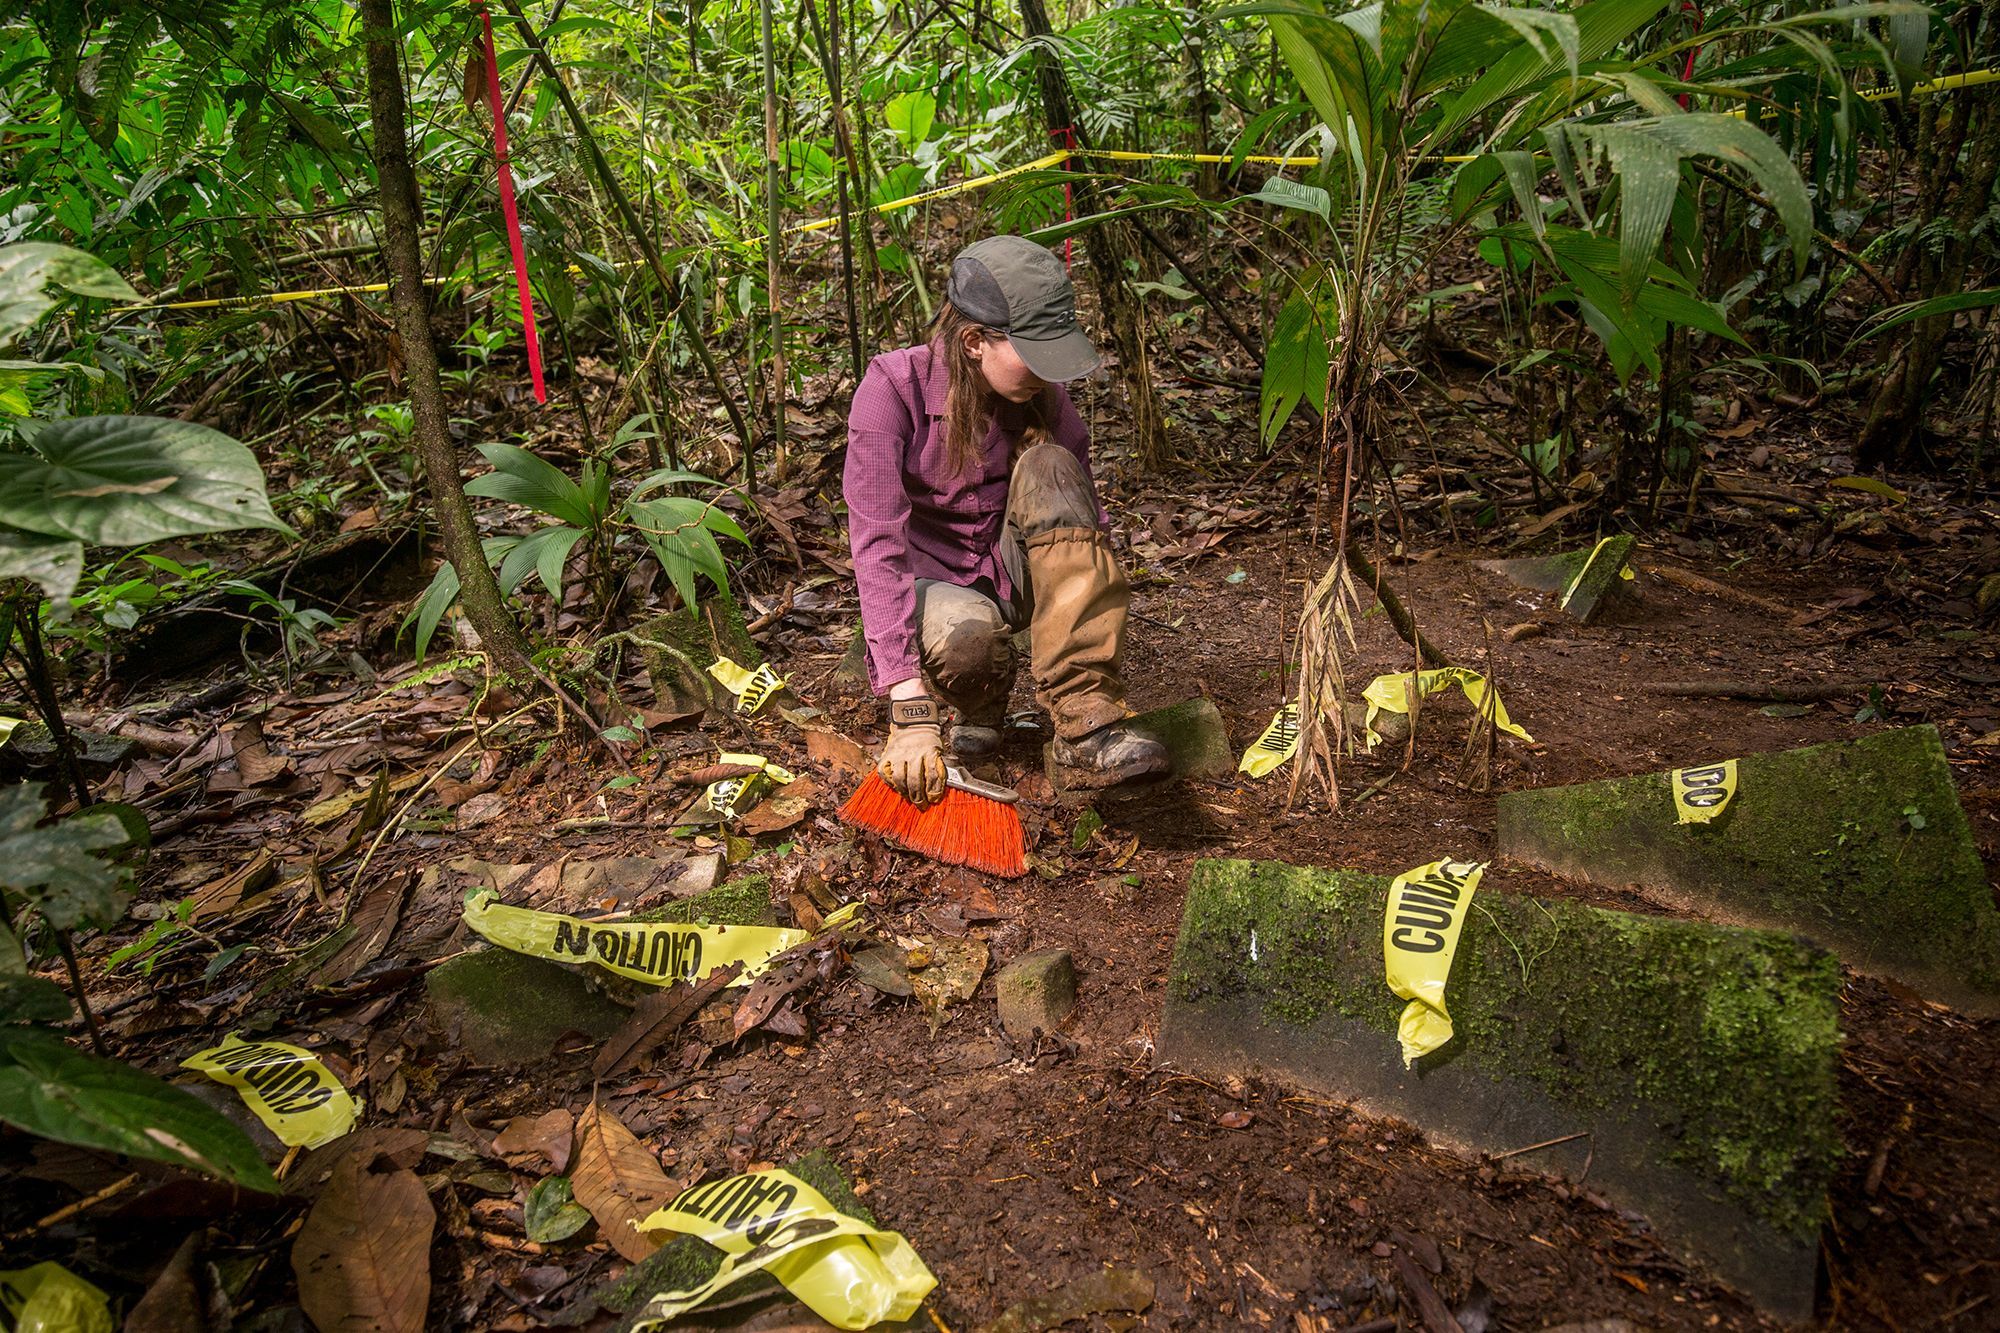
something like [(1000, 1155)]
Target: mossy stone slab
[(692, 640), (1860, 845), (1196, 738), (1556, 573), (506, 1008), (1699, 1061)]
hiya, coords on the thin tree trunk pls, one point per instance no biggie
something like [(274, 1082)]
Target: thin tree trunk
[(826, 39), (774, 172), (402, 220), (1108, 247)]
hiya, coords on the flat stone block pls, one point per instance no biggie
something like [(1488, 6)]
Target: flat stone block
[(1555, 573), (1860, 845), (1036, 990), (713, 629), (506, 1008), (1192, 731), (1700, 1062)]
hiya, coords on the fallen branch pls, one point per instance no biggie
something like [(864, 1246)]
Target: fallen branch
[(1801, 692), (155, 741), (1696, 583)]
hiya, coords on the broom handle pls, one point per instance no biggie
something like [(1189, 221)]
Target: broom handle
[(959, 778)]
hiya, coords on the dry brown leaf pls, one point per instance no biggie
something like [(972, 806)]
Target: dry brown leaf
[(551, 1134), (844, 755), (374, 920), (363, 1256), (230, 890), (173, 1303), (618, 1179), (658, 1016)]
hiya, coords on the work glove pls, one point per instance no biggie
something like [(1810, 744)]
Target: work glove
[(912, 759)]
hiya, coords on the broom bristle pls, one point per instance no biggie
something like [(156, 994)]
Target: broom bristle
[(960, 830)]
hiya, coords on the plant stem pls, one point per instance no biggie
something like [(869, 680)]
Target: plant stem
[(82, 999), (773, 239)]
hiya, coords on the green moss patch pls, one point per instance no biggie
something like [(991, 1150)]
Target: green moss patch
[(678, 648), (744, 901), (1725, 1037), (1860, 845), (506, 1008)]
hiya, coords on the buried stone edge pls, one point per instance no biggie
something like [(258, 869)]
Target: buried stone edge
[(1702, 1060), (1861, 845)]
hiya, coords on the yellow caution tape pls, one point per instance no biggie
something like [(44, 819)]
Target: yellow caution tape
[(1279, 742), (1391, 694), (753, 689), (48, 1298), (1419, 938), (294, 1094), (1700, 794), (851, 1274), (1590, 560), (658, 953), (732, 796)]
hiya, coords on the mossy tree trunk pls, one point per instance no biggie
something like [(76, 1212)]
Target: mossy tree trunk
[(1109, 246), (402, 220)]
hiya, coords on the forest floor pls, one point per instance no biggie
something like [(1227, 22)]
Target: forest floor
[(1011, 1170)]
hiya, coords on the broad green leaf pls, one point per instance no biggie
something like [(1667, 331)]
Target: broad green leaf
[(53, 866), (28, 269), (1295, 360), (552, 1212), (542, 552), (55, 563), (126, 481), (522, 478), (437, 599), (1286, 193), (24, 997), (49, 1088), (911, 116), (1600, 27), (1898, 315)]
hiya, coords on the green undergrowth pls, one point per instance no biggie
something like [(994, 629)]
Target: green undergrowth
[(1726, 1037)]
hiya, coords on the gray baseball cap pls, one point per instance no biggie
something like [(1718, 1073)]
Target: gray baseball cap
[(1015, 287)]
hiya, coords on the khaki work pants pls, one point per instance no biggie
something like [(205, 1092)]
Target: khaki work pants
[(1069, 593)]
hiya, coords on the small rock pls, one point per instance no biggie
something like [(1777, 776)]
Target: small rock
[(1527, 629), (1037, 991)]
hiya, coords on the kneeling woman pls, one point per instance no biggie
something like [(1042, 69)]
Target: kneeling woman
[(972, 515)]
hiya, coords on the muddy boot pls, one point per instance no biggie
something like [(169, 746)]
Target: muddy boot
[(1113, 756)]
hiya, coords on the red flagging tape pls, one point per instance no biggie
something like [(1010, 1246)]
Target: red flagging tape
[(510, 211)]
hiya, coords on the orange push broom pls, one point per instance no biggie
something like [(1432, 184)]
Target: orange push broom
[(975, 825)]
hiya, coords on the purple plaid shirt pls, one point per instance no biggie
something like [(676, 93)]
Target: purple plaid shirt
[(906, 519)]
